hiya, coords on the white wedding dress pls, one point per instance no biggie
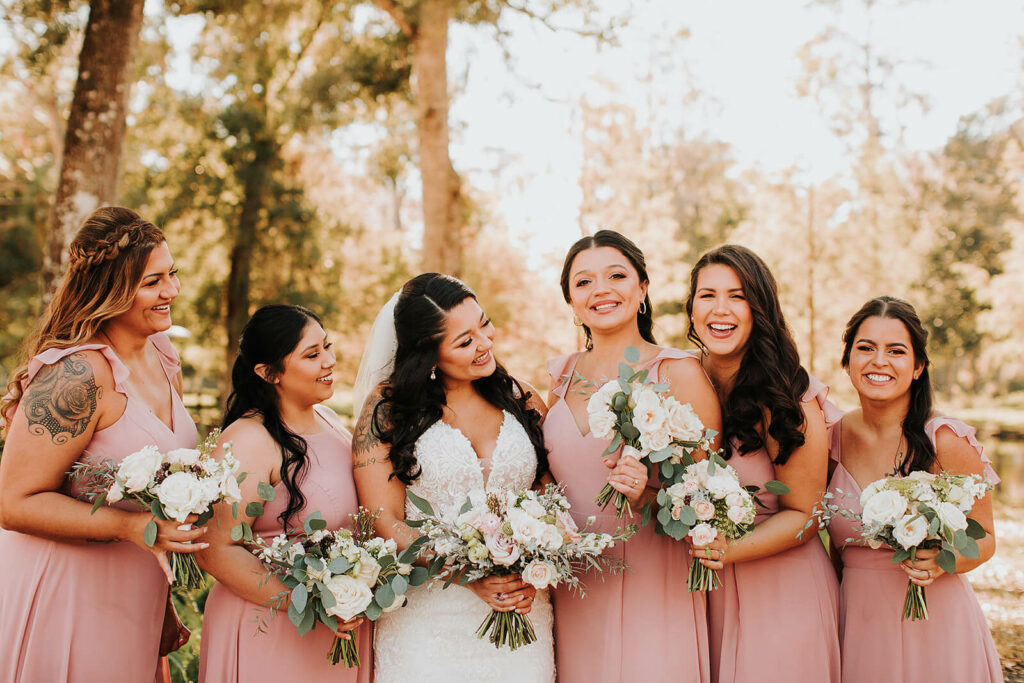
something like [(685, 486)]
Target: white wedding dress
[(433, 638)]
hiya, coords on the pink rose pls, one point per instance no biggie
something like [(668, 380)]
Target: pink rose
[(540, 574), (503, 549), (677, 511), (704, 509), (488, 523), (703, 534), (568, 524)]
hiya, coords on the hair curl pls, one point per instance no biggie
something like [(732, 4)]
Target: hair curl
[(107, 259), (268, 337), (770, 378), (410, 401), (920, 451), (626, 247)]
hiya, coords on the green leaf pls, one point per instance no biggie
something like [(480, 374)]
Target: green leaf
[(149, 533), (667, 469), (632, 354), (435, 565), (662, 497), (157, 510), (969, 548), (307, 526), (625, 371), (620, 401), (409, 555), (254, 509), (614, 445), (719, 460), (308, 621), (421, 504), (317, 524), (676, 530), (624, 385), (205, 517), (687, 516), (294, 615), (933, 526), (947, 561), (385, 596), (373, 611), (975, 530), (664, 515), (640, 376), (645, 514), (299, 595), (399, 584), (265, 491), (299, 574), (234, 510), (314, 563), (326, 596), (247, 533), (418, 576), (415, 523), (776, 487), (629, 432), (660, 456), (241, 477), (100, 500), (900, 555), (466, 507), (339, 565), (236, 533)]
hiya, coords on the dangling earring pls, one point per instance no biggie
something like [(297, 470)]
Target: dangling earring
[(643, 307), (433, 373), (576, 320)]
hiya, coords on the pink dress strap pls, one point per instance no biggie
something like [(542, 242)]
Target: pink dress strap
[(168, 354), (558, 369), (52, 356), (964, 431), (818, 391)]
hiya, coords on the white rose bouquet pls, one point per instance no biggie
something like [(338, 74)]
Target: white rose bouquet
[(639, 416), (172, 485), (528, 533), (923, 510), (339, 575)]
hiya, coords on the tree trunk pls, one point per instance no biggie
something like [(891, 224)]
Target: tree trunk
[(442, 210), (91, 160)]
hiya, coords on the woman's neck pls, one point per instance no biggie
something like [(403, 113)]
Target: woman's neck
[(610, 348), (129, 345), (723, 371), (883, 417), (300, 418)]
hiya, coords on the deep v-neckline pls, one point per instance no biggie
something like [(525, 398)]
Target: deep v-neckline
[(145, 407), (497, 440)]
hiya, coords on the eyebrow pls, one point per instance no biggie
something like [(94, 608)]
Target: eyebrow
[(872, 341), (313, 346), (712, 289), (158, 274), (482, 317), (614, 265)]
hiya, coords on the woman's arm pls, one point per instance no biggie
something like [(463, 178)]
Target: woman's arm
[(805, 474)]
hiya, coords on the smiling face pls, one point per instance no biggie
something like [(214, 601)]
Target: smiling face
[(605, 290), (150, 311), (721, 315), (882, 364), (465, 352), (307, 373)]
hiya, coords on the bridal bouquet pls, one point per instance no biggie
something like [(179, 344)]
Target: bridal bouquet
[(923, 510), (640, 417), (340, 575), (172, 485), (528, 533)]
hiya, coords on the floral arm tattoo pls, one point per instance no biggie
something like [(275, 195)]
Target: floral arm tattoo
[(62, 399), (365, 440)]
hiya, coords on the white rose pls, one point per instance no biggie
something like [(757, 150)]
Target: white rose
[(703, 534), (956, 495), (648, 415), (318, 574), (533, 508), (186, 457), (600, 416), (351, 597), (115, 493), (736, 499), (740, 514), (950, 515), (540, 574), (910, 530), (181, 494), (870, 490), (921, 475), (551, 537), (885, 507), (683, 422), (230, 491), (504, 550), (704, 509), (399, 602), (721, 484), (525, 528), (655, 440), (211, 491), (925, 493), (137, 470), (368, 569)]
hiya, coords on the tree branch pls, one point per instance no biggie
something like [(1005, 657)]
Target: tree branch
[(545, 21), (305, 44), (395, 12)]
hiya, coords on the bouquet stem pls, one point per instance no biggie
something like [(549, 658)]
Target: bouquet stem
[(507, 628), (702, 578), (915, 607), (616, 498), (344, 651), (186, 570)]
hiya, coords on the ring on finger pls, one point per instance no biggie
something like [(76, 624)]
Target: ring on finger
[(929, 573), (635, 482)]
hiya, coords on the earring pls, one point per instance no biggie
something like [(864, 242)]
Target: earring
[(576, 320), (433, 373), (643, 307)]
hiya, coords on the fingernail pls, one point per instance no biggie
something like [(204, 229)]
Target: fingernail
[(204, 546)]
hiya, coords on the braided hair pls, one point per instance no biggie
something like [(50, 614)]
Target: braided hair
[(106, 261)]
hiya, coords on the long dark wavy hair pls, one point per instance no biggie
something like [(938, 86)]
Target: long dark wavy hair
[(770, 377), (920, 451), (411, 401), (625, 246), (272, 333)]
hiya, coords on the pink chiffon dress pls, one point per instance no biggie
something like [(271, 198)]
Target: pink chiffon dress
[(776, 619), (232, 649), (640, 625), (953, 644), (90, 611)]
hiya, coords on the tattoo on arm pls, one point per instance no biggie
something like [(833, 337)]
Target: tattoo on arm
[(364, 438), (364, 463), (62, 399)]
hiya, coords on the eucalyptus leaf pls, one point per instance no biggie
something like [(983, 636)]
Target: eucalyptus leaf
[(294, 615), (326, 596), (157, 509), (677, 530), (373, 611), (265, 491), (632, 354), (645, 514), (149, 533), (667, 468), (625, 372), (299, 596), (776, 487), (399, 584), (339, 565), (974, 529), (900, 555), (241, 477), (234, 510), (314, 563), (624, 385), (659, 456), (236, 533), (466, 507), (630, 432), (418, 576), (308, 621), (970, 548), (687, 516), (664, 515), (415, 523), (385, 596), (317, 524), (614, 445), (421, 505), (947, 561), (254, 509)]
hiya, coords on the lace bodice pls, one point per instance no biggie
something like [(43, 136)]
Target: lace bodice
[(451, 470)]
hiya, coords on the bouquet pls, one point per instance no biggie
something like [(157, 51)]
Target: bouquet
[(640, 417), (172, 485), (340, 575), (528, 533), (923, 510)]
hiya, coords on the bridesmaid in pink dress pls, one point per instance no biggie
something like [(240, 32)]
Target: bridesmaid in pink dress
[(83, 597), (642, 624), (280, 434), (894, 431), (775, 617)]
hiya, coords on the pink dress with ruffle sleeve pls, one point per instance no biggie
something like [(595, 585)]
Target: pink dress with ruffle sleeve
[(90, 611), (953, 644), (233, 651), (640, 625), (776, 619)]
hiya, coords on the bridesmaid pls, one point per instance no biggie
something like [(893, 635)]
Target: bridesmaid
[(280, 434), (82, 591), (642, 624), (896, 433), (775, 618)]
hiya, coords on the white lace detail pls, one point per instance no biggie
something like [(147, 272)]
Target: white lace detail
[(434, 638)]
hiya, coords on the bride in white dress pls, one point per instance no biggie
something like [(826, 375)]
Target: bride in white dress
[(443, 419)]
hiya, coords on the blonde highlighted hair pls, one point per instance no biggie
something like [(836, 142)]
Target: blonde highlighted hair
[(107, 261)]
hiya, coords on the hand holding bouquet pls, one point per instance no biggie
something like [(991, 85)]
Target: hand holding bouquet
[(646, 422), (919, 511), (526, 533), (340, 575), (172, 485)]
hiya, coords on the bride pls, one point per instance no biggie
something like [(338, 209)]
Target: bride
[(441, 418)]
